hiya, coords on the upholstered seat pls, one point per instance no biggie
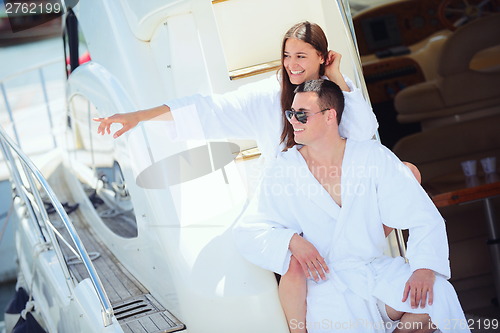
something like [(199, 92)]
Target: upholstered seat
[(439, 151), (460, 89)]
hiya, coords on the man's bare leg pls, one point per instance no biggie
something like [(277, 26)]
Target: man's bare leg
[(411, 322), (292, 292)]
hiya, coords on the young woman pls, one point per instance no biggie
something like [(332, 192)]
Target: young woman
[(256, 111)]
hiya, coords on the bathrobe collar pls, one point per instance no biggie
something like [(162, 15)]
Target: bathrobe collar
[(319, 196), (316, 192)]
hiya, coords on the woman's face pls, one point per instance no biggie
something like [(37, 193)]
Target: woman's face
[(301, 61)]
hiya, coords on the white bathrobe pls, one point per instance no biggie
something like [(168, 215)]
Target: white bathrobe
[(376, 189), (254, 112)]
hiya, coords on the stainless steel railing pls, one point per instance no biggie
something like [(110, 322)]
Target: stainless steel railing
[(25, 176), (43, 84)]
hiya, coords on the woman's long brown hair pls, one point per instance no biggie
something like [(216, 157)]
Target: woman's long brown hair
[(312, 34)]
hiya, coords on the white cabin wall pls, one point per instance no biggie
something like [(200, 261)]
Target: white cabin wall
[(213, 49), (180, 58), (128, 59), (143, 17), (338, 36), (252, 31)]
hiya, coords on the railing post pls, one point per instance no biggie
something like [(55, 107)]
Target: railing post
[(9, 110), (46, 98), (45, 217), (89, 119), (16, 177)]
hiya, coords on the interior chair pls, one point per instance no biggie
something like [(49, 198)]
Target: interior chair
[(439, 151), (461, 92)]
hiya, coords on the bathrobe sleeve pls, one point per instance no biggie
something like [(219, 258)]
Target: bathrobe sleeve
[(254, 111), (404, 204), (241, 113), (264, 232), (358, 120)]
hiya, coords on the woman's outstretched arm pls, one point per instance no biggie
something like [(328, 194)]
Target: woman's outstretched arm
[(240, 114), (131, 119)]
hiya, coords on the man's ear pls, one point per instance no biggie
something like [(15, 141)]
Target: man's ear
[(332, 115)]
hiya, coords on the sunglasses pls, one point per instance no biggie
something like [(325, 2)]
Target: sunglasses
[(301, 116)]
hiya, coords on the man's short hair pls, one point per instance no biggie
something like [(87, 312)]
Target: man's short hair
[(329, 95)]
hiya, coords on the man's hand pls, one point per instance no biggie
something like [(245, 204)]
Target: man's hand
[(419, 288), (309, 258), (128, 120)]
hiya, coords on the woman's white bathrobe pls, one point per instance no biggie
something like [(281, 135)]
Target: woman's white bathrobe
[(254, 112), (376, 189)]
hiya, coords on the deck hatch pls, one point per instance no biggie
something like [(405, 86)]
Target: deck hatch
[(143, 312)]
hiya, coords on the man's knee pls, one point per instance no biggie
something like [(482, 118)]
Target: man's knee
[(393, 314), (419, 323), (411, 322)]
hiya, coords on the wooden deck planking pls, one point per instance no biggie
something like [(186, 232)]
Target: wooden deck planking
[(135, 327), (118, 283), (149, 325)]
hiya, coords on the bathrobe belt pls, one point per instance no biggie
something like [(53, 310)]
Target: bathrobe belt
[(357, 276)]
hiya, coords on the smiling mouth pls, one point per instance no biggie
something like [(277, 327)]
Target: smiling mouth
[(298, 129), (297, 72)]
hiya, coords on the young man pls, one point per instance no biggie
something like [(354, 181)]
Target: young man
[(325, 201)]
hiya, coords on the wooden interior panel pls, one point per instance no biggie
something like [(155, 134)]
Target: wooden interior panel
[(385, 79), (413, 21)]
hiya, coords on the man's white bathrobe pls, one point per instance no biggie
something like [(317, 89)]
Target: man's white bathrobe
[(376, 189), (254, 112)]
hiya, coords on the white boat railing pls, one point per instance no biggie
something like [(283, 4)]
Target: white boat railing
[(25, 176), (38, 68)]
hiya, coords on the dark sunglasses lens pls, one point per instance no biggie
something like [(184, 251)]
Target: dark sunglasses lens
[(301, 116)]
